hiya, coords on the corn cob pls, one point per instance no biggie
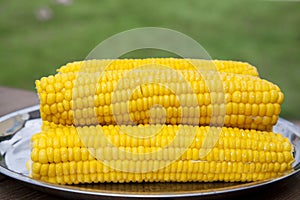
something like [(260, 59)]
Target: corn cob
[(173, 63), (66, 155), (244, 101)]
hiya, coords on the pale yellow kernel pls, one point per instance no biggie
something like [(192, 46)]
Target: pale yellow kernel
[(64, 154), (53, 108), (207, 99), (66, 104), (50, 89), (68, 85), (68, 95), (258, 97), (36, 166), (49, 152), (255, 109), (269, 109), (241, 120), (266, 97), (233, 119), (46, 109), (262, 109), (283, 167), (251, 97), (236, 96), (288, 157), (51, 170)]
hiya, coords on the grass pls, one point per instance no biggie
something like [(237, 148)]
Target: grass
[(264, 33)]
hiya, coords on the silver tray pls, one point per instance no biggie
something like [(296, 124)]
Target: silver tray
[(17, 128)]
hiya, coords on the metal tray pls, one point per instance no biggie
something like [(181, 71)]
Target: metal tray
[(17, 128)]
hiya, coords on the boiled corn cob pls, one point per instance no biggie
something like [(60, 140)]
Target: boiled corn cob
[(188, 97), (173, 63), (68, 155)]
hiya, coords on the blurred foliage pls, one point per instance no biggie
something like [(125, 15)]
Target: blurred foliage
[(36, 37)]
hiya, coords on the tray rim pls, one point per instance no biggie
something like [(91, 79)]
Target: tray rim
[(41, 185)]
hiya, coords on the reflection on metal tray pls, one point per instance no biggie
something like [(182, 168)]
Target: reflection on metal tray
[(17, 128)]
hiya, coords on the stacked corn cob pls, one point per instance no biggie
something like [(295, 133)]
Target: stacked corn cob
[(84, 103)]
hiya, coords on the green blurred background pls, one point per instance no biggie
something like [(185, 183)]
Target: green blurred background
[(37, 36)]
